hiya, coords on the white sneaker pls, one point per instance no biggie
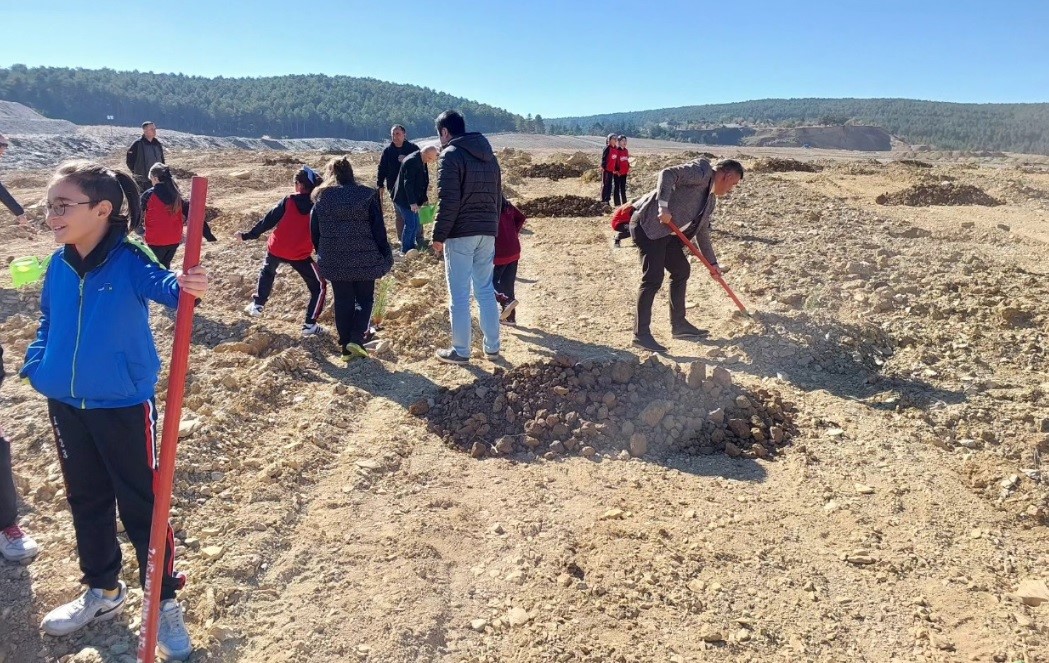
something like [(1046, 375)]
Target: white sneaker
[(253, 309), (173, 642), (411, 253), (311, 330), (16, 545), (91, 607)]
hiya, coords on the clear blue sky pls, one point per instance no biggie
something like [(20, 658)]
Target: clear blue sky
[(568, 57)]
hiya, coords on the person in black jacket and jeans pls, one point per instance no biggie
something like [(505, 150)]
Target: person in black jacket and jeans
[(469, 192), (409, 193), (6, 198), (352, 250), (390, 165)]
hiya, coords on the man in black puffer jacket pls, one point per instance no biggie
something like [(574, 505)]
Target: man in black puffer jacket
[(469, 194)]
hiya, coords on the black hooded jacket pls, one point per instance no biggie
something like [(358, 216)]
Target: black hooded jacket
[(469, 189)]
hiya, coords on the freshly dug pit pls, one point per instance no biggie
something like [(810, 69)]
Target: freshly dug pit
[(928, 194), (774, 165), (652, 408), (563, 206)]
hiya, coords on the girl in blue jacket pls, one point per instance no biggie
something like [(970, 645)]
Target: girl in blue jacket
[(95, 361)]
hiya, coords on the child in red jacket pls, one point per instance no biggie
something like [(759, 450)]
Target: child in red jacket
[(290, 243), (164, 212), (622, 170), (507, 254), (609, 159)]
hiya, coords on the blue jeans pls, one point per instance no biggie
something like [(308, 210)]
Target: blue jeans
[(411, 228), (469, 261)]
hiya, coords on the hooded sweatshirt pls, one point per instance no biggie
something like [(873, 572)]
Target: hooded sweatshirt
[(469, 189), (291, 218)]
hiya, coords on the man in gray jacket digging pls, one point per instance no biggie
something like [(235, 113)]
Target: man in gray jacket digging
[(684, 195)]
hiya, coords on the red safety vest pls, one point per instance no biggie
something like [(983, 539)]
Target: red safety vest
[(291, 238), (163, 227)]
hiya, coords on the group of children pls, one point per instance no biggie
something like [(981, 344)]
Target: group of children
[(615, 167), (95, 360)]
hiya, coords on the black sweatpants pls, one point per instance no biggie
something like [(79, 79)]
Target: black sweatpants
[(504, 277), (165, 254), (657, 255), (8, 496), (109, 458), (619, 189), (353, 309), (606, 186), (307, 269)]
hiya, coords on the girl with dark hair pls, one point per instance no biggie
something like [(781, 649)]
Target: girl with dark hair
[(164, 212), (507, 255), (352, 251), (15, 545), (95, 360), (291, 243)]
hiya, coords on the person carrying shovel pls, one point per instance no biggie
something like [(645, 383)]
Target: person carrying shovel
[(685, 195)]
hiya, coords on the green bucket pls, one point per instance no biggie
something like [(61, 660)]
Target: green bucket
[(427, 213), (28, 270)]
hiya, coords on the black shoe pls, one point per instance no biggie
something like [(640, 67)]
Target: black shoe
[(648, 343), (450, 356), (689, 332), (492, 355)]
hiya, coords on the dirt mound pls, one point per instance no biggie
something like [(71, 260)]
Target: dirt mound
[(563, 206), (561, 407), (556, 171), (928, 194), (776, 165), (913, 162)]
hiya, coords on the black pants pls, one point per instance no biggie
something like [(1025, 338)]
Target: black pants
[(8, 496), (619, 189), (658, 255), (307, 269), (164, 254), (606, 186), (109, 458), (504, 277), (353, 309)]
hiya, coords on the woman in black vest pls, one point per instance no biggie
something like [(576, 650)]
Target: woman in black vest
[(352, 250)]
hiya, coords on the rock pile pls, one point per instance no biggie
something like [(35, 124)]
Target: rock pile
[(563, 206), (612, 408), (556, 171), (928, 194)]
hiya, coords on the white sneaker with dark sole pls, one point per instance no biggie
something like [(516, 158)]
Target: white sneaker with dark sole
[(254, 310), (91, 607), (311, 330)]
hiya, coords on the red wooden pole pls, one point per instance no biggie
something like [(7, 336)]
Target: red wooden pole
[(162, 485), (717, 277)]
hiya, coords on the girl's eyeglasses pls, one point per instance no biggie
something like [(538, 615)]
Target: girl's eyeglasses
[(58, 209)]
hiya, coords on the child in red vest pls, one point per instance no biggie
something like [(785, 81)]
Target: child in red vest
[(609, 159), (291, 243), (622, 170), (507, 253), (164, 212)]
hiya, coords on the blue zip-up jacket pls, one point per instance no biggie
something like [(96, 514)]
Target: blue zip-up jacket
[(94, 348)]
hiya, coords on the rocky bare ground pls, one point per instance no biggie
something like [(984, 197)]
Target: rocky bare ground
[(389, 510)]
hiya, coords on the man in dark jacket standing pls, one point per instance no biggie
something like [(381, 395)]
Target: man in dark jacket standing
[(389, 165), (469, 193), (684, 195), (409, 193), (143, 153)]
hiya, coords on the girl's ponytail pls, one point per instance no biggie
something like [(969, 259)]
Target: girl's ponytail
[(134, 205), (163, 175)]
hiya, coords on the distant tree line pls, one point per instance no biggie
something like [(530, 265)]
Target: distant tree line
[(301, 106), (1005, 127)]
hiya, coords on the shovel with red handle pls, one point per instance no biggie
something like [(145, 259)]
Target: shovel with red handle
[(713, 272)]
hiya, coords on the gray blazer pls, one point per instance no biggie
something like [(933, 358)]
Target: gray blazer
[(687, 192)]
